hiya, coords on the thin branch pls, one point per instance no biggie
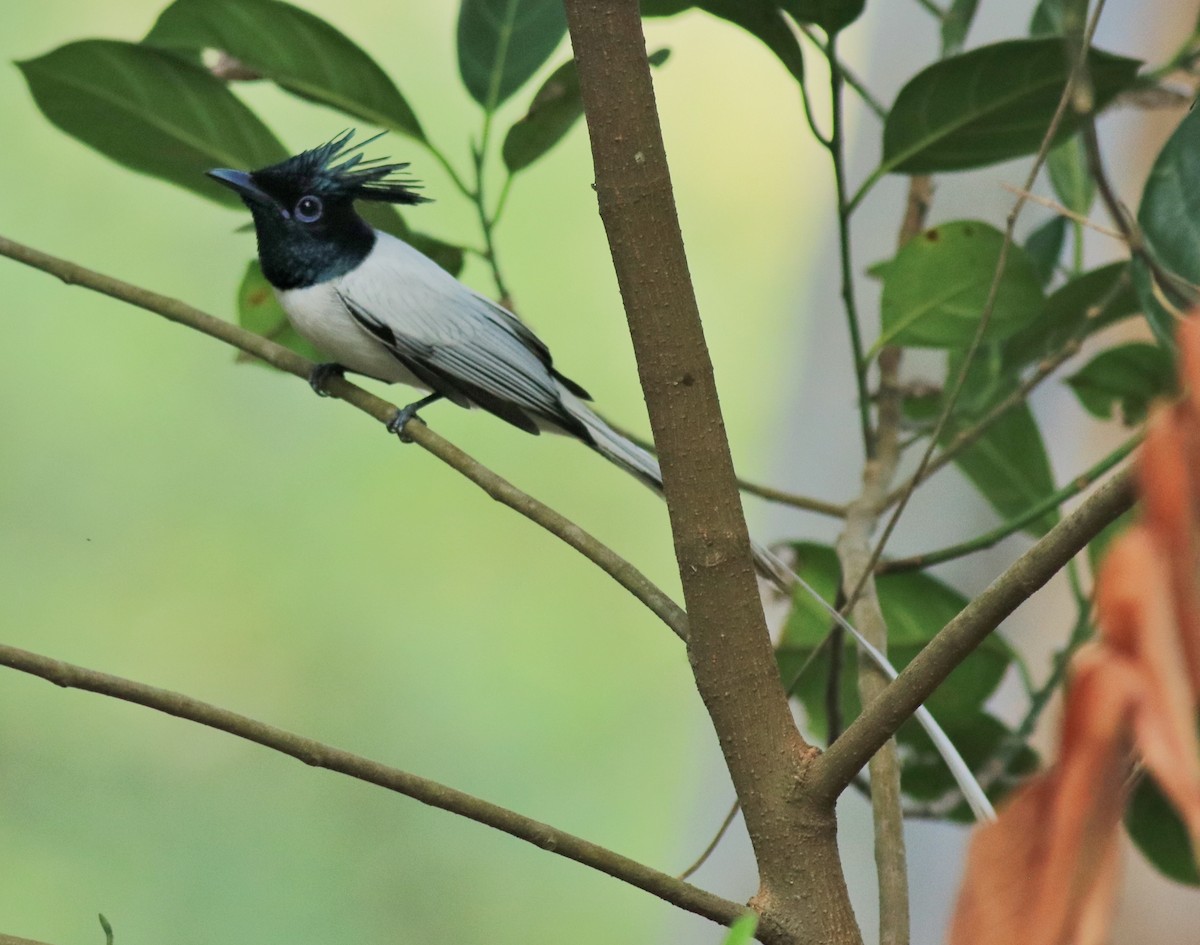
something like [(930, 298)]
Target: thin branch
[(498, 488), (879, 721), (712, 844), (1013, 525), (1058, 208), (770, 493), (855, 558), (319, 755), (880, 110), (13, 940)]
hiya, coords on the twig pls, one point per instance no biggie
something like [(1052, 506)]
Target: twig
[(712, 844), (498, 488), (1062, 211), (855, 558), (1013, 525), (319, 755), (852, 80), (954, 642), (770, 493)]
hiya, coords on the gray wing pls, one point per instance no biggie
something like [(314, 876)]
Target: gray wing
[(459, 343)]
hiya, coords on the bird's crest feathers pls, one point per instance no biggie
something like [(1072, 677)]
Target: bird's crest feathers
[(339, 169)]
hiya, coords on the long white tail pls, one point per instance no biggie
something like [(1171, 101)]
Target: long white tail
[(640, 463)]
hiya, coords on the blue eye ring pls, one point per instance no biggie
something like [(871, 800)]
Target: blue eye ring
[(308, 209)]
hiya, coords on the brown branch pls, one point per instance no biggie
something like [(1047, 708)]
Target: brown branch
[(854, 557), (495, 486), (954, 642), (13, 940), (319, 755), (802, 894)]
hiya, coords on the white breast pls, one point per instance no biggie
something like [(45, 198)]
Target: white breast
[(320, 316)]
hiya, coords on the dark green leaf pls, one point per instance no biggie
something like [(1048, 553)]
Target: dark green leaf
[(1044, 247), (935, 290), (830, 15), (1069, 176), (1008, 465), (150, 111), (761, 18), (1084, 305), (299, 51), (990, 104), (502, 43), (259, 311), (978, 737), (1169, 217), (1051, 17), (555, 108), (956, 24), (1130, 376), (915, 607), (1159, 833)]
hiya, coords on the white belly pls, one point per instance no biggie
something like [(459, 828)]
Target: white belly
[(319, 315)]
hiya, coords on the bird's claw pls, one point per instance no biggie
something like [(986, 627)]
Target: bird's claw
[(403, 415), (321, 374)]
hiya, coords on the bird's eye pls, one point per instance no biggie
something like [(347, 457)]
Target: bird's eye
[(308, 209)]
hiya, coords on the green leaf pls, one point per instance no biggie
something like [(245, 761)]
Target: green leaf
[(1159, 833), (1069, 175), (935, 290), (742, 930), (761, 18), (915, 607), (107, 928), (259, 311), (1089, 302), (554, 110), (1050, 17), (502, 43), (979, 738), (1044, 247), (989, 105), (151, 112), (1009, 466), (1169, 217), (830, 15), (1130, 376), (955, 25), (304, 55)]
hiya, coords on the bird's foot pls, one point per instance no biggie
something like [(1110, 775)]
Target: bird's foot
[(321, 374), (404, 414)]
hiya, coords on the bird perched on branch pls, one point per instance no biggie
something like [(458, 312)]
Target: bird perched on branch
[(377, 306)]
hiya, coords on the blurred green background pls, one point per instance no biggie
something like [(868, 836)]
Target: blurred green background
[(174, 517)]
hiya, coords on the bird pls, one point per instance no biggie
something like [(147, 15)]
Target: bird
[(377, 306)]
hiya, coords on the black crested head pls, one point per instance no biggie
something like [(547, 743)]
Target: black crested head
[(303, 208), (337, 169)]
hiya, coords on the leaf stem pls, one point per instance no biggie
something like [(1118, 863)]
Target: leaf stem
[(851, 78), (836, 147)]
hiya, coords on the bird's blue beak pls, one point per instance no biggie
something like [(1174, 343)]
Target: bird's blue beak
[(243, 185)]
